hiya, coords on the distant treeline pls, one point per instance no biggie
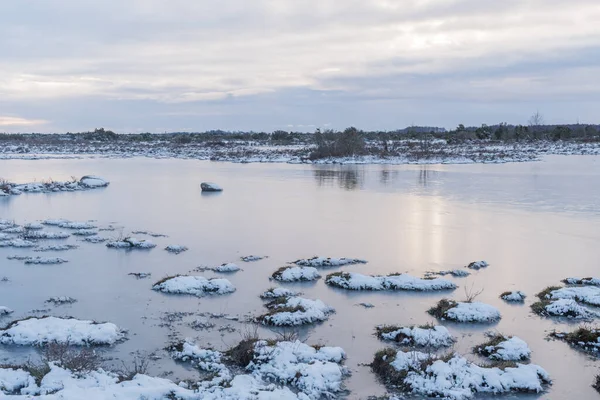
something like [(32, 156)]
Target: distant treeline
[(329, 143)]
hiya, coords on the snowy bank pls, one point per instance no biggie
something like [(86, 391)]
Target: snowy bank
[(85, 183), (194, 285), (355, 281)]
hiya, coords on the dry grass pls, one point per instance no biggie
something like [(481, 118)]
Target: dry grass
[(493, 342), (441, 308)]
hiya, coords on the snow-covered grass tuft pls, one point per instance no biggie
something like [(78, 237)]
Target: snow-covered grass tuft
[(326, 262), (176, 248), (58, 247), (453, 376), (59, 300), (75, 225), (503, 348), (514, 296), (85, 232), (5, 311), (95, 239), (585, 338), (34, 226), (18, 243), (40, 331), (477, 265), (194, 285), (355, 281), (582, 281), (464, 311), (294, 311), (582, 294), (276, 293), (46, 260), (457, 273), (252, 258), (140, 275), (130, 243), (562, 308), (423, 336), (227, 268), (41, 234), (296, 274)]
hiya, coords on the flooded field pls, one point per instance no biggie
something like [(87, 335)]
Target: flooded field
[(534, 223)]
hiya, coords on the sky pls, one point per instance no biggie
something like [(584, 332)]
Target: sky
[(263, 65)]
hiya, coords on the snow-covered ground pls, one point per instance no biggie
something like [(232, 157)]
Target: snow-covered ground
[(356, 281)]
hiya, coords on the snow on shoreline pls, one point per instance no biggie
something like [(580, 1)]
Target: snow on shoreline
[(85, 183), (355, 281), (40, 331)]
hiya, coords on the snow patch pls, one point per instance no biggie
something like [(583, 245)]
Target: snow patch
[(194, 285), (514, 296), (276, 293), (434, 336), (323, 262), (295, 311), (296, 274), (176, 248), (477, 265)]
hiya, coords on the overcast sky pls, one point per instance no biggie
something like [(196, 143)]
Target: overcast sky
[(182, 65)]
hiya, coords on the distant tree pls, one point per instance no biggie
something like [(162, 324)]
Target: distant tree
[(536, 120)]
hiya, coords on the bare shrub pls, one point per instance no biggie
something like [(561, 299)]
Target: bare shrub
[(471, 294), (81, 360), (139, 365)]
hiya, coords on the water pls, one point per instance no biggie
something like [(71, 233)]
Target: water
[(535, 223)]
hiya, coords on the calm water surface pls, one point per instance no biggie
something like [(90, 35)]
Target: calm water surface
[(535, 223)]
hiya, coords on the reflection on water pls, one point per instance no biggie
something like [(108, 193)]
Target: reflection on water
[(346, 177)]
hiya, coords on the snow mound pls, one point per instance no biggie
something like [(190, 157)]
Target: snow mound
[(295, 311), (176, 248), (130, 243), (276, 293), (210, 187), (58, 300), (583, 294), (39, 331), (457, 273), (40, 234), (355, 281), (12, 380), (568, 308), (60, 247), (314, 373), (5, 310), (14, 229), (227, 267), (18, 243), (323, 262), (460, 379), (252, 258), (477, 265), (430, 336), (465, 311), (54, 222), (34, 226), (296, 274), (514, 296), (46, 260), (194, 285), (582, 281), (95, 239), (505, 349), (75, 225), (85, 232), (92, 181)]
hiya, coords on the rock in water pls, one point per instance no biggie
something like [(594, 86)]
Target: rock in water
[(210, 187), (92, 181)]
